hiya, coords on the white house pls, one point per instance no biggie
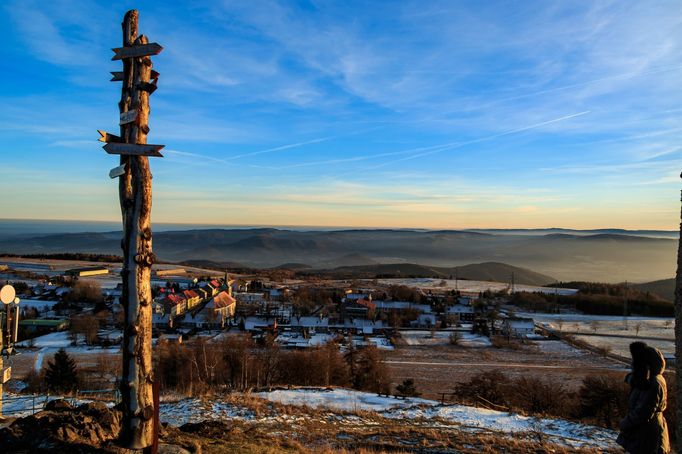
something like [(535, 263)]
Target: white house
[(461, 312), (518, 326)]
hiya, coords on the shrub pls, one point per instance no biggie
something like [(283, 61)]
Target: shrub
[(604, 399), (455, 337), (407, 388)]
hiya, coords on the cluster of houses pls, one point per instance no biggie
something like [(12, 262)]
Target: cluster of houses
[(206, 305), (221, 303), (186, 305)]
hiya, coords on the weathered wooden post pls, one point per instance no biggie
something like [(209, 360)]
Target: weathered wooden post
[(135, 193)]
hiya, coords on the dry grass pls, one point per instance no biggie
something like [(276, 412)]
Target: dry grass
[(314, 436)]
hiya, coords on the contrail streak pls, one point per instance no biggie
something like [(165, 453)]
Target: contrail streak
[(280, 148), (299, 144), (425, 151), (483, 139)]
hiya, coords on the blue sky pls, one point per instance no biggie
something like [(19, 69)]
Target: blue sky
[(402, 114)]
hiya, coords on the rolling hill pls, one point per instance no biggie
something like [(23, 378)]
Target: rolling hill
[(608, 256), (665, 288), (489, 271)]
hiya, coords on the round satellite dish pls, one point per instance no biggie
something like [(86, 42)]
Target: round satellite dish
[(7, 294)]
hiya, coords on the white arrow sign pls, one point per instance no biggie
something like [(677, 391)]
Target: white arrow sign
[(117, 171)]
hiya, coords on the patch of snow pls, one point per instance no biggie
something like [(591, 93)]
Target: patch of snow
[(37, 303), (474, 341), (51, 342), (193, 410), (472, 418), (59, 339), (337, 398)]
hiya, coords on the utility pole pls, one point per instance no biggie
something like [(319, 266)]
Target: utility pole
[(135, 194), (9, 328), (626, 303)]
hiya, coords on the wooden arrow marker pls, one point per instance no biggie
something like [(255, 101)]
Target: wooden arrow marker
[(117, 76), (117, 171), (139, 50), (149, 87), (134, 149), (106, 137), (128, 117)]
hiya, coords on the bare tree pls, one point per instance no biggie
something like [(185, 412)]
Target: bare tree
[(455, 337)]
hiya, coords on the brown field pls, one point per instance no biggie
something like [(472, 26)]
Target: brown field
[(437, 369)]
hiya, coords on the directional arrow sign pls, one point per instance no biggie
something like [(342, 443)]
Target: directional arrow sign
[(147, 86), (117, 76), (106, 137), (140, 50), (128, 117), (117, 171), (134, 149)]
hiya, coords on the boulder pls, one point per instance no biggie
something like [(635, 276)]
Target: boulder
[(58, 405), (87, 428)]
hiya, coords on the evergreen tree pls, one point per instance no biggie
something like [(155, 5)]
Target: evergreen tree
[(61, 374), (407, 388)]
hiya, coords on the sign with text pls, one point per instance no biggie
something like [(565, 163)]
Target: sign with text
[(134, 149), (128, 117), (138, 50)]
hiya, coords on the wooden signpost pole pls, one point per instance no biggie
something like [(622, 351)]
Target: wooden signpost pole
[(135, 194)]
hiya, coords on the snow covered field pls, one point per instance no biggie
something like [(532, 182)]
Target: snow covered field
[(47, 345), (613, 332), (473, 286), (433, 338), (37, 303), (184, 410)]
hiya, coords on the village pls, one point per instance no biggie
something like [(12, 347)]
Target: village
[(298, 314)]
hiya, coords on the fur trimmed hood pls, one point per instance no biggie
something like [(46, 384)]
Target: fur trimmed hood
[(647, 363)]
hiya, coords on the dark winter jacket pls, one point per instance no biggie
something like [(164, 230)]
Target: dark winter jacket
[(644, 430)]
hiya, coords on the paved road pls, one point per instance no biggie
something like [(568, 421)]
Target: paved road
[(622, 336), (503, 365)]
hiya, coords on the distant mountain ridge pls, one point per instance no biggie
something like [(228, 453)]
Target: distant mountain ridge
[(665, 288), (489, 271), (607, 255), (558, 230)]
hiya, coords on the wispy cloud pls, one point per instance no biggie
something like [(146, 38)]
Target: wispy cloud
[(266, 99)]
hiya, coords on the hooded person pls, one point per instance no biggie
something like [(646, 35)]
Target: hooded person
[(644, 430)]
